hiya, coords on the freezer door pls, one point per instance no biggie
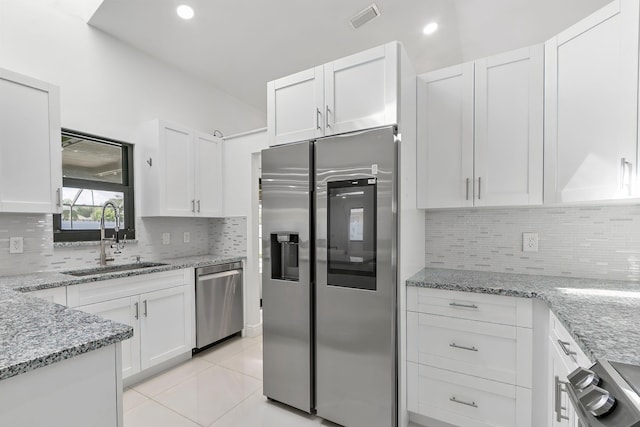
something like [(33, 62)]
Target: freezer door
[(286, 275), (356, 381)]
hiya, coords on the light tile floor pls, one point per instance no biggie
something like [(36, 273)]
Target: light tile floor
[(221, 387)]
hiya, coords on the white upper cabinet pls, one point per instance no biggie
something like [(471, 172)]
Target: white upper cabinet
[(591, 111), (30, 128), (480, 132), (208, 175), (295, 106), (509, 128), (361, 90), (180, 170), (445, 132), (349, 94)]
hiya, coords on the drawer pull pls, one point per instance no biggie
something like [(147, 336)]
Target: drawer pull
[(461, 347), (462, 402), (565, 348), (560, 387), (455, 304)]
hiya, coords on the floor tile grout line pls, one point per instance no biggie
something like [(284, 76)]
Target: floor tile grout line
[(232, 408)]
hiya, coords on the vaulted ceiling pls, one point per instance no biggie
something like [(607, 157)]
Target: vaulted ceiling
[(239, 45)]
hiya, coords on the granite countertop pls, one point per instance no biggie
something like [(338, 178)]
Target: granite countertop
[(37, 333), (601, 315), (51, 279)]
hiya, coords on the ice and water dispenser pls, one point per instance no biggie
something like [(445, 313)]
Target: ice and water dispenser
[(284, 256)]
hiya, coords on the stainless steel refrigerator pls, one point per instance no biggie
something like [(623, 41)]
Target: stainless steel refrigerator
[(329, 277)]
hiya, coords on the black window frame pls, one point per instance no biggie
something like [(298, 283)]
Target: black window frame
[(127, 188)]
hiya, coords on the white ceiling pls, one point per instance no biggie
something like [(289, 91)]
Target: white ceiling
[(239, 45)]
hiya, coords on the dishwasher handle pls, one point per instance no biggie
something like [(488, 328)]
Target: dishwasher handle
[(218, 275)]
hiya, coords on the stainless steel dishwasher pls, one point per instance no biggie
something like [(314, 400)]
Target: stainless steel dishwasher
[(219, 310)]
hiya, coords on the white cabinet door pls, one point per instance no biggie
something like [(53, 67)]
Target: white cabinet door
[(295, 107), (509, 91), (361, 90), (176, 166), (445, 138), (127, 311), (31, 152), (165, 324), (591, 112), (208, 175)]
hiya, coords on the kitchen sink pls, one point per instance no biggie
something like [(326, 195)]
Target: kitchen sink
[(112, 268)]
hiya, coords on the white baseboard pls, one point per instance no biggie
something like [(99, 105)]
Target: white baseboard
[(251, 331)]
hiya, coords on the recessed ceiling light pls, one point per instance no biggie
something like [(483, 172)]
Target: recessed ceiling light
[(184, 11), (430, 28)]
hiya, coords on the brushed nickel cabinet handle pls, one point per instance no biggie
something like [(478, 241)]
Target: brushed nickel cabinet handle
[(326, 117), (318, 118), (624, 165), (455, 304), (565, 348), (479, 186), (145, 308), (137, 310), (462, 402), (461, 347), (557, 407), (193, 205), (198, 205), (59, 197), (467, 188)]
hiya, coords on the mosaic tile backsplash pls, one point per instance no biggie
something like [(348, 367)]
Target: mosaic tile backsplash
[(589, 241), (224, 236)]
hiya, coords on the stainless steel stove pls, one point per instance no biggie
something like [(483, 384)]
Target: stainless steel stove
[(606, 395)]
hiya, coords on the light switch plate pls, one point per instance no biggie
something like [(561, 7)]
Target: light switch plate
[(529, 242), (16, 245)]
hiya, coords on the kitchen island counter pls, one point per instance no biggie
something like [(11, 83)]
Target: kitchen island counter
[(37, 333), (601, 315)]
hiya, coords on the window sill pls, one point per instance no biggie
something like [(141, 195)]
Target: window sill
[(84, 244)]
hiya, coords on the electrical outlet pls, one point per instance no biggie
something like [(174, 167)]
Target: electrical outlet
[(530, 242), (186, 237), (16, 245), (166, 238)]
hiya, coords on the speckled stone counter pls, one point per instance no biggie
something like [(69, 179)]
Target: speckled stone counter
[(46, 280), (37, 333), (602, 316)]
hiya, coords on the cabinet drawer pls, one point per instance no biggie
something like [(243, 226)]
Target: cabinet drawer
[(466, 401), (563, 341), (473, 306), (105, 290), (487, 350)]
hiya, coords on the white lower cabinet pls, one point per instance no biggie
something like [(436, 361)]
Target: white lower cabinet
[(158, 306), (57, 295), (469, 358), (564, 357), (465, 400)]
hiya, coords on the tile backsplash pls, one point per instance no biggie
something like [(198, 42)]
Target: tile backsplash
[(225, 236), (587, 241)]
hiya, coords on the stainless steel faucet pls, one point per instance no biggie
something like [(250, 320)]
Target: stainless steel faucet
[(103, 239)]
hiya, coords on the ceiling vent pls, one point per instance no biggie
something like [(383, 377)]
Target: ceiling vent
[(365, 16)]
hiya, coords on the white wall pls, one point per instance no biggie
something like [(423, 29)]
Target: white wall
[(241, 163), (107, 87)]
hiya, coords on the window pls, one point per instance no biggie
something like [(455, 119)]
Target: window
[(95, 170)]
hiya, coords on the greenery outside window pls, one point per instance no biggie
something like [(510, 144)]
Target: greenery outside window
[(95, 170)]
